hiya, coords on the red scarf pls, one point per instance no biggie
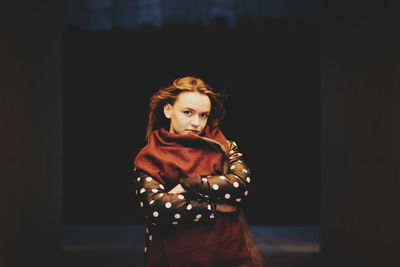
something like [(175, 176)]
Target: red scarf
[(169, 156)]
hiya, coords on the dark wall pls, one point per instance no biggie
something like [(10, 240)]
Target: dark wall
[(271, 74), (31, 71), (360, 133)]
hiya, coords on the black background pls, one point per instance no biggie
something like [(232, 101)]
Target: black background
[(271, 72)]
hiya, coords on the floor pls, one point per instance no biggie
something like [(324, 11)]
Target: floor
[(122, 245)]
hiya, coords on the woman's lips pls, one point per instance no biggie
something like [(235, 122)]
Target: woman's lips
[(193, 132)]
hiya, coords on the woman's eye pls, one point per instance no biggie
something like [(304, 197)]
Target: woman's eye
[(204, 116), (187, 112)]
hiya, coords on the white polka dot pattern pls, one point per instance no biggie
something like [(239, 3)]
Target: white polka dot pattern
[(228, 187), (166, 208)]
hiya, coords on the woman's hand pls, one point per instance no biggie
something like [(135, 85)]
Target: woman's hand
[(225, 208), (177, 189)]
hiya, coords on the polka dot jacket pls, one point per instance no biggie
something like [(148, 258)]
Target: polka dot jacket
[(203, 193)]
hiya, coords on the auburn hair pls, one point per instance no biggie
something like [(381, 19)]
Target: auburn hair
[(168, 95)]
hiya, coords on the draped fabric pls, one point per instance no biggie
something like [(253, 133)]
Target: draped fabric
[(168, 157)]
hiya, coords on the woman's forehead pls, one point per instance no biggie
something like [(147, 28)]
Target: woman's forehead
[(194, 100)]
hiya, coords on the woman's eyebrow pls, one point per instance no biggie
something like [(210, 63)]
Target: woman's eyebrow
[(192, 109)]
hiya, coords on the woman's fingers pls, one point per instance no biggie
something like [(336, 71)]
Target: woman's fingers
[(177, 189), (225, 208)]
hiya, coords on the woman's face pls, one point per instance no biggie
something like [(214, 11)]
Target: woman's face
[(189, 113)]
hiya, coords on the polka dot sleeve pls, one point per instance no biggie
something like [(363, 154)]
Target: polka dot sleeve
[(230, 188), (163, 208)]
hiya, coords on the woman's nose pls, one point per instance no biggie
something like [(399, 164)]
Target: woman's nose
[(195, 121)]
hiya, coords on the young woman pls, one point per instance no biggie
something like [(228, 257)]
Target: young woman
[(191, 181)]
